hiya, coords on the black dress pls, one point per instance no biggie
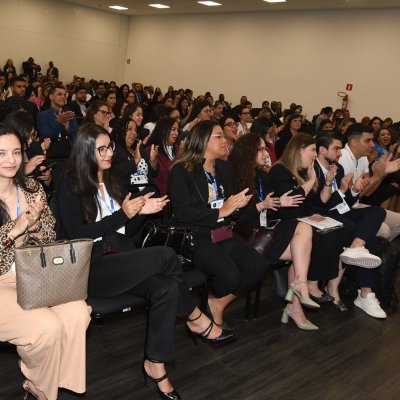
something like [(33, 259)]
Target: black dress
[(325, 247), (283, 232)]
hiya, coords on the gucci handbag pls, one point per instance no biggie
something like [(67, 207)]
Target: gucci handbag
[(52, 274)]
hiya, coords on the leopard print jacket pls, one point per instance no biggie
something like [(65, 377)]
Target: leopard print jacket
[(47, 226)]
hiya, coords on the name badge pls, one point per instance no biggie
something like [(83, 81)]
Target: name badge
[(263, 218), (343, 207), (217, 204), (137, 179)]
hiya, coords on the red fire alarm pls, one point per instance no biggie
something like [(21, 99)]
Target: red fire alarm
[(128, 61), (349, 86)]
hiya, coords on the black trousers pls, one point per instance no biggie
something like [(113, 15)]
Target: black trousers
[(154, 274), (234, 266), (363, 223)]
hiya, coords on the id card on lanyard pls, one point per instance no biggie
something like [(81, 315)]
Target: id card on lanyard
[(263, 213), (343, 207), (218, 202), (110, 207)]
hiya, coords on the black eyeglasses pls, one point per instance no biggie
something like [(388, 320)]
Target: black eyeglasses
[(103, 149), (231, 124), (105, 113)]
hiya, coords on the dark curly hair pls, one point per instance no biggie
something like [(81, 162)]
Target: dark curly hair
[(243, 158)]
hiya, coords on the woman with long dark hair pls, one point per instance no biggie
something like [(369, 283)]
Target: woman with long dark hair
[(201, 111), (292, 128), (50, 341), (94, 204), (164, 139), (293, 239), (203, 197)]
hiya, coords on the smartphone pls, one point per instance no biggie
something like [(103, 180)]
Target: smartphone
[(38, 172), (273, 223)]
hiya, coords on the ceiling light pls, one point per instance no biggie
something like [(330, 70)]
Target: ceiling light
[(120, 8), (275, 1), (209, 3), (159, 6)]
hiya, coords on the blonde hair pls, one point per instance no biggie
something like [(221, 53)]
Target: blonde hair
[(291, 157)]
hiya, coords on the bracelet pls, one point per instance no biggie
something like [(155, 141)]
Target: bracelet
[(325, 184)]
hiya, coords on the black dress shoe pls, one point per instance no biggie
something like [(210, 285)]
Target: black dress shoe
[(340, 306), (226, 336), (324, 298), (163, 395)]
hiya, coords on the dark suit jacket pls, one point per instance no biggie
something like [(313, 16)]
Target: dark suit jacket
[(335, 199), (282, 142), (74, 106), (48, 126), (52, 71), (188, 192)]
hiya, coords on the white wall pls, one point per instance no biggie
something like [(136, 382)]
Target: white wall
[(304, 57), (79, 40)]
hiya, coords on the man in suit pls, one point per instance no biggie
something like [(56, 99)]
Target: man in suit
[(337, 195), (79, 105), (54, 122), (31, 69), (52, 70)]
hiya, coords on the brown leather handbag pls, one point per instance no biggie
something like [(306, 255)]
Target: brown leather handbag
[(52, 274), (258, 237)]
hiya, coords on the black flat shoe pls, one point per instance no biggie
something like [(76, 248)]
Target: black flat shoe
[(324, 298), (163, 395), (226, 336), (340, 306)]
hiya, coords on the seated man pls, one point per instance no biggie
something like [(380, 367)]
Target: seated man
[(354, 160), (54, 123), (337, 194)]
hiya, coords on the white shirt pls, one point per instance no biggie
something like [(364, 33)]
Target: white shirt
[(106, 209), (240, 129)]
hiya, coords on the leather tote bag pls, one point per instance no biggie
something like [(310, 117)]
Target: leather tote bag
[(52, 274)]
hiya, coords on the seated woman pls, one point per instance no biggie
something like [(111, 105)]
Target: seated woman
[(292, 128), (34, 151), (295, 171), (201, 111), (99, 114), (50, 341), (93, 205), (203, 198), (293, 239), (229, 127), (130, 160), (164, 139)]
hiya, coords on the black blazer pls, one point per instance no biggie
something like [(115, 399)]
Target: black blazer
[(74, 106), (72, 220), (282, 180), (124, 166), (188, 192), (335, 198)]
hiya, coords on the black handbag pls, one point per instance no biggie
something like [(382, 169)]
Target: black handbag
[(258, 237), (179, 238), (116, 242)]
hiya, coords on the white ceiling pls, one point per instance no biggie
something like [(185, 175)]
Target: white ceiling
[(140, 7)]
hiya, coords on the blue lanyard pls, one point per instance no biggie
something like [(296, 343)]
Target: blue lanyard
[(18, 204), (213, 180), (111, 210), (334, 186), (260, 192)]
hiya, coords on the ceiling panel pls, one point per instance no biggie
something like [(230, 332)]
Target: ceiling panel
[(140, 7)]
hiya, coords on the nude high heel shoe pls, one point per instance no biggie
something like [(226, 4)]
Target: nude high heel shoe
[(307, 326), (295, 290)]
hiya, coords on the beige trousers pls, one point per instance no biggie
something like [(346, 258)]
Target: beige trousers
[(51, 342)]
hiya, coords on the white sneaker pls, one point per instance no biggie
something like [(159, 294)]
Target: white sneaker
[(370, 305), (360, 257)]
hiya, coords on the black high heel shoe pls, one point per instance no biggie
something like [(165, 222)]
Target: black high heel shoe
[(163, 395), (226, 336)]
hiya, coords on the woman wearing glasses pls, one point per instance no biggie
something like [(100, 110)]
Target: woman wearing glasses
[(93, 205), (229, 127), (204, 197), (201, 111), (99, 114)]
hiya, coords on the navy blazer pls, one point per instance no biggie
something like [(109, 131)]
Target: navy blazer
[(336, 198), (49, 127)]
